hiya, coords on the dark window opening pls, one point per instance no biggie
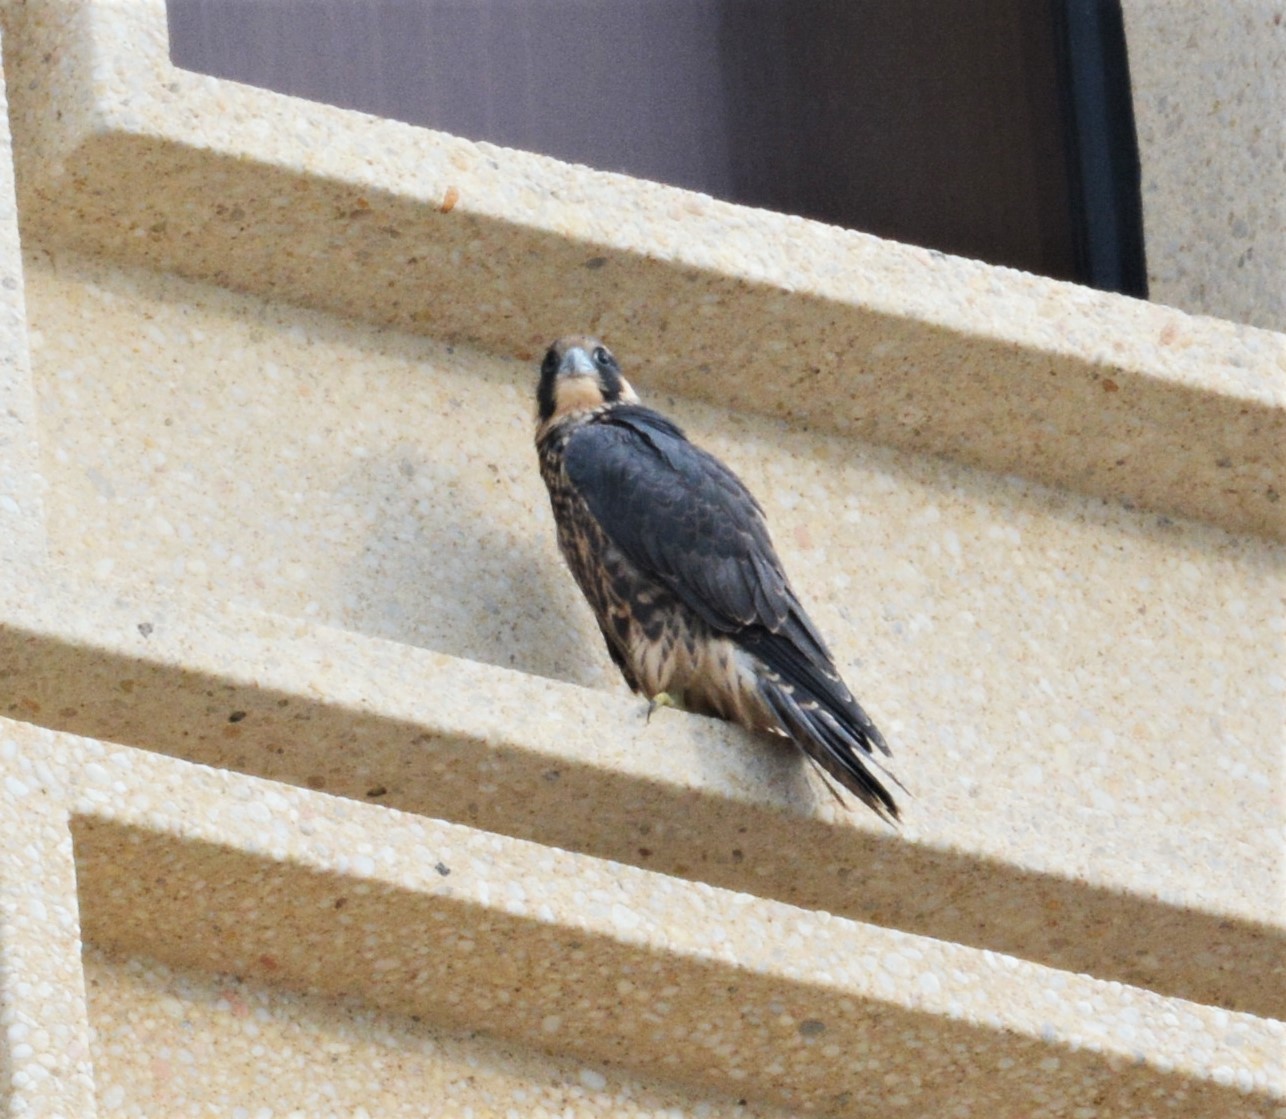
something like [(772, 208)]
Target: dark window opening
[(995, 129)]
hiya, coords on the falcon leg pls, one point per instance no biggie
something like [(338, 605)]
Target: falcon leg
[(661, 699)]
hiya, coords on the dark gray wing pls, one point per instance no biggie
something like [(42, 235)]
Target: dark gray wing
[(684, 518)]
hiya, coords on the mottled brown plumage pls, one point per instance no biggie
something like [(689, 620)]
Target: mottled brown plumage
[(673, 554)]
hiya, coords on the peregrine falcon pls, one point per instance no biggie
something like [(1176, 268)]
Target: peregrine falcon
[(673, 553)]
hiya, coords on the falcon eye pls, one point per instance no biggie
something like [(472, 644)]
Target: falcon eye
[(602, 358), (550, 365)]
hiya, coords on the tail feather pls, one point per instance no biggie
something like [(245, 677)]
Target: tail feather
[(836, 748), (815, 679)]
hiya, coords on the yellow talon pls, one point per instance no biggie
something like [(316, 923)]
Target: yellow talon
[(661, 699)]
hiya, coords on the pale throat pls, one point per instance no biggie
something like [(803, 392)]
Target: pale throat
[(576, 394), (580, 395)]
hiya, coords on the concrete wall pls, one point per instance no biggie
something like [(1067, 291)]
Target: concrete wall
[(1210, 109), (319, 794)]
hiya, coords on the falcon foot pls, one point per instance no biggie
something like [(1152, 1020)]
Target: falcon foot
[(661, 699)]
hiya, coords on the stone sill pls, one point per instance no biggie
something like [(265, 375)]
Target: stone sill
[(377, 220), (608, 964), (581, 770)]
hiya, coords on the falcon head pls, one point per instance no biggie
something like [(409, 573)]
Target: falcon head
[(579, 374)]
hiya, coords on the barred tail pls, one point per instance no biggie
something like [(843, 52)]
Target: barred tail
[(838, 745)]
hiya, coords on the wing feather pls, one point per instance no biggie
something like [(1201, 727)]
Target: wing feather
[(683, 517)]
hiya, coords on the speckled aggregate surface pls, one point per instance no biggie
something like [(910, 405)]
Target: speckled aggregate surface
[(608, 964), (179, 1042), (21, 538), (465, 242), (407, 508), (312, 553), (1209, 85)]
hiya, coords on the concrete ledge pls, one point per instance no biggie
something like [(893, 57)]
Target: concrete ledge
[(611, 964), (1109, 396), (580, 770), (1077, 694)]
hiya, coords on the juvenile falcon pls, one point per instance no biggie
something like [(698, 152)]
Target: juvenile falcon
[(673, 554)]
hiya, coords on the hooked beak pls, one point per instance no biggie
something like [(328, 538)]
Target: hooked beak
[(577, 363)]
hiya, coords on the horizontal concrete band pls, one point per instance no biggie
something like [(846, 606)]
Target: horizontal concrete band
[(1124, 400), (220, 871), (581, 770)]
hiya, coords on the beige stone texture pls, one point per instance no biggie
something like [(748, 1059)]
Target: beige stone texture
[(21, 518), (320, 796), (468, 243), (238, 886), (1209, 85)]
